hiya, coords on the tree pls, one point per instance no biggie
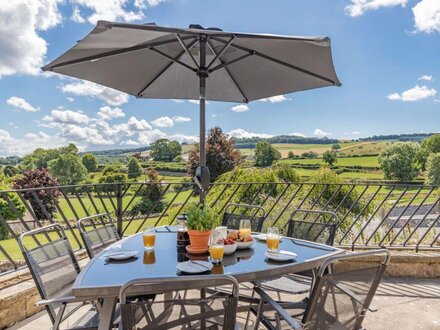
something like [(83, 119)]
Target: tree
[(151, 195), (112, 168), (7, 212), (290, 154), (112, 177), (36, 179), (336, 146), (428, 146), (40, 157), (134, 168), (90, 162), (398, 161), (221, 155), (433, 169), (68, 169), (265, 154), (10, 170), (165, 150), (329, 157)]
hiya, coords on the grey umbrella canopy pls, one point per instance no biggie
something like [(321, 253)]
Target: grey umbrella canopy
[(150, 61)]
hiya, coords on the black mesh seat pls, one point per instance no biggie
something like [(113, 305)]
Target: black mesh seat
[(234, 213), (182, 303), (341, 296), (54, 268), (98, 232)]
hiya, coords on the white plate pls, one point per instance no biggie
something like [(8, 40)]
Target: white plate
[(261, 237), (280, 256), (244, 245), (120, 254), (194, 267)]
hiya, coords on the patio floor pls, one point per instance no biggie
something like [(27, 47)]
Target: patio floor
[(403, 303)]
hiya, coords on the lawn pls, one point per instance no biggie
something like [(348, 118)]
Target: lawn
[(365, 161)]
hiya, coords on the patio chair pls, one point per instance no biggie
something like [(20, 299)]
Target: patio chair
[(340, 298), (190, 307), (97, 232), (54, 268), (256, 214)]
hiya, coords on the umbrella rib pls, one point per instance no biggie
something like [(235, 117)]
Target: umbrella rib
[(223, 64), (175, 60), (229, 74), (290, 66), (110, 53), (185, 48), (165, 69), (217, 56)]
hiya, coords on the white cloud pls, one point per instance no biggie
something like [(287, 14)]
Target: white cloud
[(241, 133), (240, 108), (275, 99), (138, 125), (111, 10), (107, 113), (144, 3), (427, 16), (184, 138), (163, 121), (352, 133), (426, 77), (359, 7), (297, 134), (414, 94), (131, 143), (319, 132), (149, 137), (180, 119), (22, 104), (70, 99), (87, 88), (22, 49), (20, 146), (66, 117), (76, 15)]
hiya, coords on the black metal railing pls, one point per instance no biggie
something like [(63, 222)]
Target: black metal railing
[(394, 216)]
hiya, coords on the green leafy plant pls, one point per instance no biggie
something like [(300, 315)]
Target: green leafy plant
[(201, 217)]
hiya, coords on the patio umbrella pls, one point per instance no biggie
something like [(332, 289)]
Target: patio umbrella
[(150, 61)]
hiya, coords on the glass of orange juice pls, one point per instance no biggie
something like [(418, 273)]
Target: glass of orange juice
[(245, 227), (273, 239), (216, 247), (149, 238)]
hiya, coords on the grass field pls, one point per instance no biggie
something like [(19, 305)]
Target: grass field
[(364, 148), (365, 161)]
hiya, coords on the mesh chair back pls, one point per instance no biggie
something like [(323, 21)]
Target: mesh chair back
[(179, 303), (234, 213), (98, 232), (52, 264), (320, 229), (343, 293)]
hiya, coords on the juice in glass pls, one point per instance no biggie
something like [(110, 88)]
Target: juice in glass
[(273, 239), (149, 257), (245, 227), (216, 253), (149, 238)]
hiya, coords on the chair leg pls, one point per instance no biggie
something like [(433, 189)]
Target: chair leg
[(259, 314), (56, 324), (249, 311)]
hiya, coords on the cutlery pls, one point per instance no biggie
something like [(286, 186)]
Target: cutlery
[(201, 265), (286, 253)]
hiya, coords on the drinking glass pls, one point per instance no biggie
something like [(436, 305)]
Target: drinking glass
[(149, 257), (216, 247), (273, 239), (149, 238), (245, 227)]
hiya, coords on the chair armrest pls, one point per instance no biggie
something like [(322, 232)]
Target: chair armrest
[(353, 295), (277, 307), (60, 300)]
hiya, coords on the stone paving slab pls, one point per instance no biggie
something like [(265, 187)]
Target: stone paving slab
[(403, 303)]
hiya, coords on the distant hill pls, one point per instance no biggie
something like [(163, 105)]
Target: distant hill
[(251, 142), (417, 137), (116, 152)]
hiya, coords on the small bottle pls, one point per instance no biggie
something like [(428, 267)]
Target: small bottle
[(182, 231)]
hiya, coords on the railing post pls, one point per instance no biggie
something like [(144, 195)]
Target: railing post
[(119, 209)]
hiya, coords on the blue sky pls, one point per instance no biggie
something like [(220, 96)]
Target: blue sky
[(386, 54)]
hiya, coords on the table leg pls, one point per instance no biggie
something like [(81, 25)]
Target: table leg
[(107, 313), (202, 307)]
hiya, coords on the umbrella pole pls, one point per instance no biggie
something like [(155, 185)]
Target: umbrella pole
[(202, 173)]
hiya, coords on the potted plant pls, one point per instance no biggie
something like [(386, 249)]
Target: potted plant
[(201, 220)]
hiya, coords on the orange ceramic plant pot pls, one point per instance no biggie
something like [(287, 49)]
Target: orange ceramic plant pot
[(199, 239)]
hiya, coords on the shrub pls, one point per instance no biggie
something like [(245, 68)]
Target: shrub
[(151, 196), (68, 169), (37, 179), (265, 154), (134, 168), (6, 211), (90, 162), (398, 161), (433, 169)]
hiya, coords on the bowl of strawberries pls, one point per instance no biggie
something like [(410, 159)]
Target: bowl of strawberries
[(229, 246)]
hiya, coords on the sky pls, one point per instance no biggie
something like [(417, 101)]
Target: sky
[(386, 54)]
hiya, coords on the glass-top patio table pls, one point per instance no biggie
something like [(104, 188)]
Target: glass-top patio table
[(101, 279)]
